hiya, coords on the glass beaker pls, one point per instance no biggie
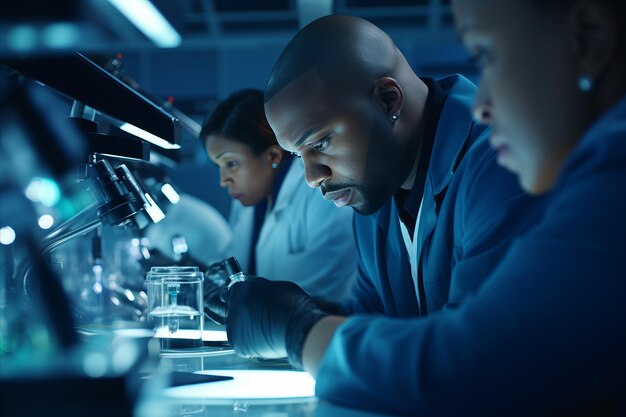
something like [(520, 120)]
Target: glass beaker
[(175, 305)]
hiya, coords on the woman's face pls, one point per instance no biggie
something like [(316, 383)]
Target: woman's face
[(248, 177), (528, 90)]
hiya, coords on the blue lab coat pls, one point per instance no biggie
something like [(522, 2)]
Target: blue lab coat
[(545, 334), (471, 210)]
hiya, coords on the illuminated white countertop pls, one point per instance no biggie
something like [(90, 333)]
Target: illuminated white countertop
[(259, 388)]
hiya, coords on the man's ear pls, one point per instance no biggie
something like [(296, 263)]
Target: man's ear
[(594, 36), (390, 96)]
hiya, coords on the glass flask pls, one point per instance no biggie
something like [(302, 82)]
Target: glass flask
[(175, 305)]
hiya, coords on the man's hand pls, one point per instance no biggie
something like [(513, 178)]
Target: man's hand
[(270, 319)]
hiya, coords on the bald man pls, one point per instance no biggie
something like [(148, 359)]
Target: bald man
[(435, 211)]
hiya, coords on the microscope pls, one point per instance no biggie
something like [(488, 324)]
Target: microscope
[(61, 180)]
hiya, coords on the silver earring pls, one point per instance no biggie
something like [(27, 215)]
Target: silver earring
[(394, 117), (274, 165), (585, 83)]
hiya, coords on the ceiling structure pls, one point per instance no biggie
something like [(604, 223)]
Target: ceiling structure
[(99, 26), (227, 22)]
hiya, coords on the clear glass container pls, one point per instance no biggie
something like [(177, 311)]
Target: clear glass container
[(175, 305)]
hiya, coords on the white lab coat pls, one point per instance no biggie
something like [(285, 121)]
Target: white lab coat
[(206, 231), (304, 239)]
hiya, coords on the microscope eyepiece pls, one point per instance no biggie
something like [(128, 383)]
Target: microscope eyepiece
[(120, 205)]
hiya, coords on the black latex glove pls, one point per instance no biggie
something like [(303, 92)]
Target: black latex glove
[(270, 319)]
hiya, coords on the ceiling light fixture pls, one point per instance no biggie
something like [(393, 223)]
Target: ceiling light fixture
[(147, 18)]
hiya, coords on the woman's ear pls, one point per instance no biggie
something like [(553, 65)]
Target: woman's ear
[(389, 93), (594, 36), (275, 154)]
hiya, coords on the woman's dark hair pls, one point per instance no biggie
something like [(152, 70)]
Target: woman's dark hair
[(241, 118)]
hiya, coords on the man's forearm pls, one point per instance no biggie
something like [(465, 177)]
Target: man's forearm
[(317, 341)]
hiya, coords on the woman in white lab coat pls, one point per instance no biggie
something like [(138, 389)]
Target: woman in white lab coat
[(282, 229)]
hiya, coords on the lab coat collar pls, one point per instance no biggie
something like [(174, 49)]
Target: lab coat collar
[(295, 175), (451, 139)]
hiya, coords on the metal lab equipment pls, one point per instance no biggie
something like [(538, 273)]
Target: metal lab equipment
[(49, 173), (175, 305)]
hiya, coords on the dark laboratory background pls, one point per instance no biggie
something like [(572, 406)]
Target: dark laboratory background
[(226, 45), (78, 187)]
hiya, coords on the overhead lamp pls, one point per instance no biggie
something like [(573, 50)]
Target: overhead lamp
[(147, 18)]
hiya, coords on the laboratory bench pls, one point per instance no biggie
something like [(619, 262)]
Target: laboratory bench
[(255, 388), (259, 388), (124, 372)]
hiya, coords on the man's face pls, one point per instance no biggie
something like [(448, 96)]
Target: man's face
[(527, 88), (346, 143)]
